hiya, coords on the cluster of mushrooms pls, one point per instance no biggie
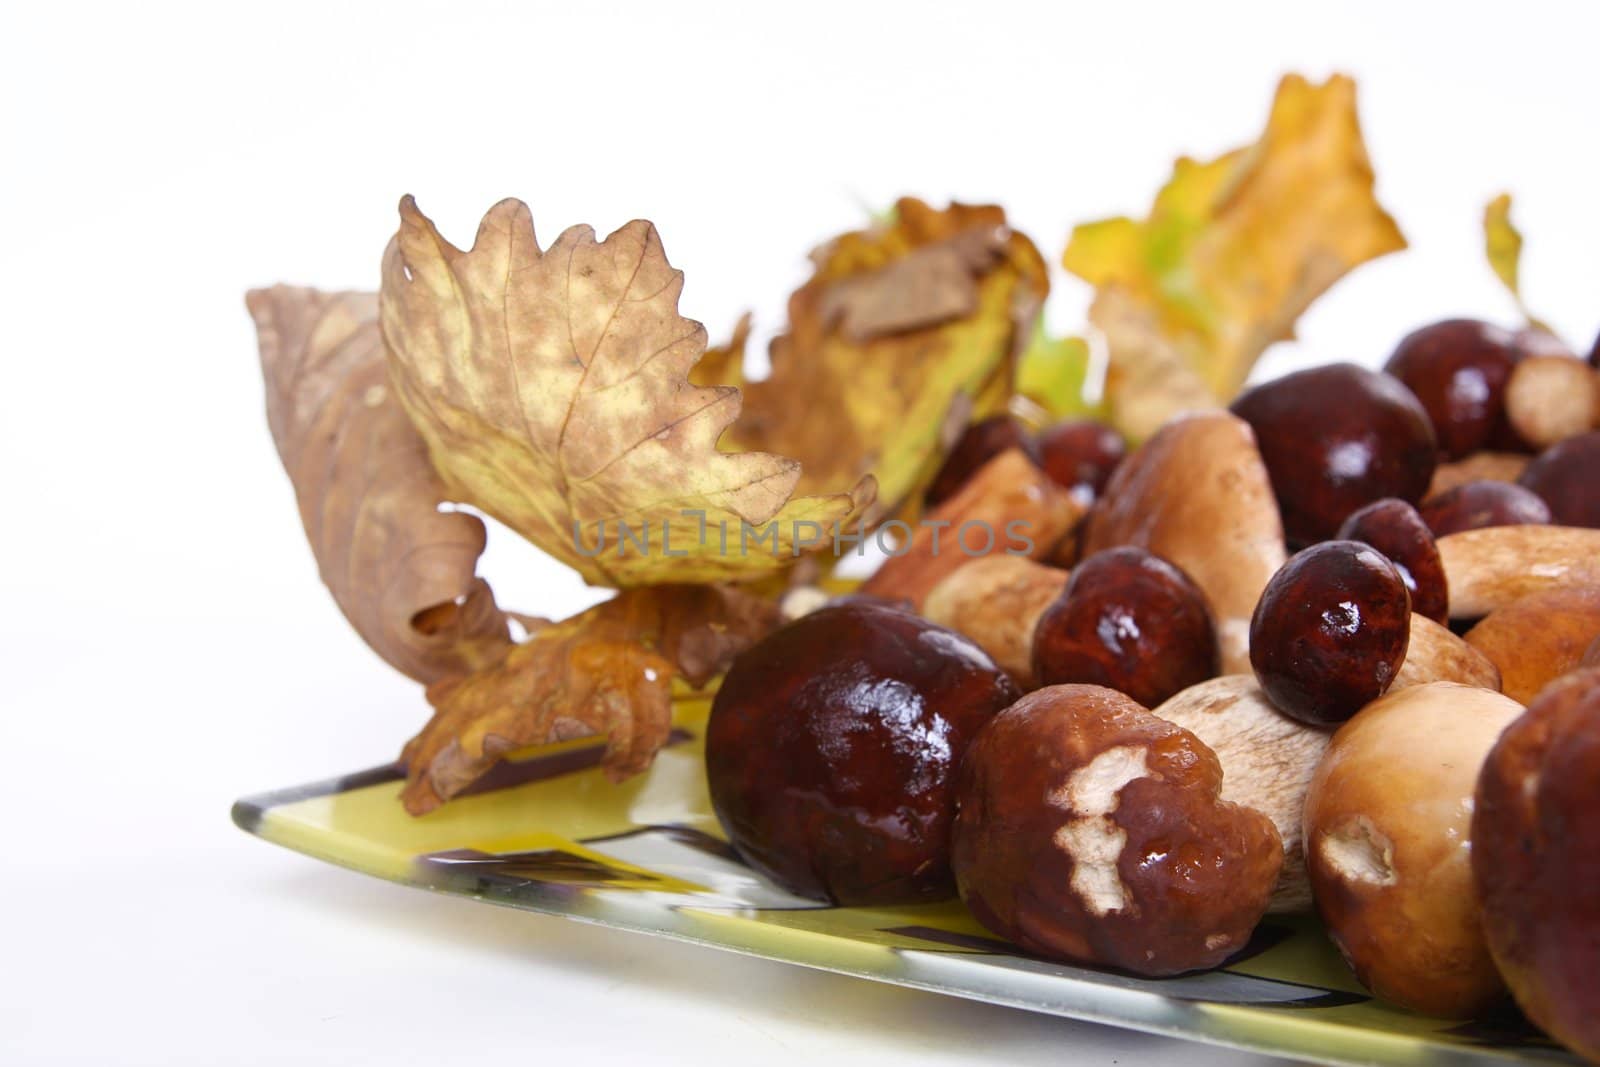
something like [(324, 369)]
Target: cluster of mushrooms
[(1127, 746)]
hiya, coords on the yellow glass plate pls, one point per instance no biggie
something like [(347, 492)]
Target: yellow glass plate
[(546, 832)]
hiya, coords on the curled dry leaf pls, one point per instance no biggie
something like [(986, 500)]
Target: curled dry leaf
[(608, 670), (401, 570), (1502, 246), (1233, 251), (903, 333), (553, 390)]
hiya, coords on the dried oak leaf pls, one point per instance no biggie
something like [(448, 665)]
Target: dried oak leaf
[(1234, 250), (553, 390), (904, 332), (402, 571), (608, 670)]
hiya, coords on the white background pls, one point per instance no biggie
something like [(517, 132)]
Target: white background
[(166, 645)]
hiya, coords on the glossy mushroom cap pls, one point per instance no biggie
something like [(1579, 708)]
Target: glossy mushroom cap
[(1536, 859), (1567, 477), (1091, 830), (1331, 631), (1336, 438), (832, 748), (1475, 505), (1458, 370), (1130, 621), (980, 442), (1197, 495), (1396, 529)]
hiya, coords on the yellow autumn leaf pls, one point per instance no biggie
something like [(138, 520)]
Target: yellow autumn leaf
[(1233, 251), (1053, 372), (1502, 246), (904, 332), (552, 388)]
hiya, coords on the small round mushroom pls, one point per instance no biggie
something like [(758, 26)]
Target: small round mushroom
[(1267, 760), (1197, 495), (1436, 654), (1387, 821), (997, 601), (1476, 505), (1551, 398), (1088, 829), (1537, 638), (1335, 438), (1081, 454), (832, 749), (1489, 568), (1331, 631), (1130, 621), (1536, 859), (1395, 528), (1458, 369), (1565, 476)]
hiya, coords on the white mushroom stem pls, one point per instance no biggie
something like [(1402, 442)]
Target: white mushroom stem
[(1267, 761), (1491, 567), (997, 601), (1438, 655), (1552, 398)]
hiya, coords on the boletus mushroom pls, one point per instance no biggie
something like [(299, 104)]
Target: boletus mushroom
[(1130, 621), (1536, 859), (832, 748), (1388, 851), (1197, 495), (1088, 829), (997, 601), (1267, 761)]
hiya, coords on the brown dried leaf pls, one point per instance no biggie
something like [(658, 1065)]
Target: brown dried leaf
[(903, 332), (402, 571), (608, 670)]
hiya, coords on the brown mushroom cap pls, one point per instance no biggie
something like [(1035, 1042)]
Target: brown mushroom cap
[(1489, 568), (997, 601), (1436, 654), (1536, 858), (1089, 829), (1267, 760), (1386, 828), (1197, 494), (1537, 638)]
